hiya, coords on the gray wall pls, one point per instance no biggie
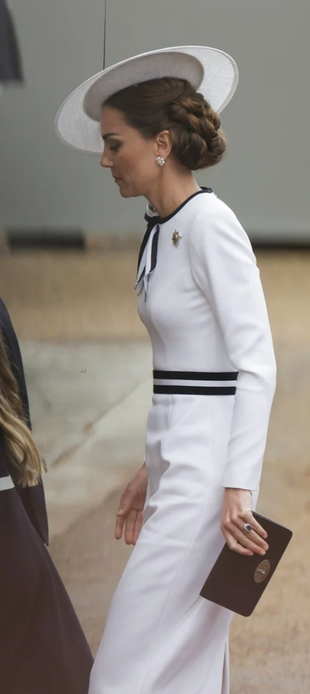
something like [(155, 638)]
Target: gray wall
[(266, 175)]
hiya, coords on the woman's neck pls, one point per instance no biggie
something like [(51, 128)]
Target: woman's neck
[(171, 192)]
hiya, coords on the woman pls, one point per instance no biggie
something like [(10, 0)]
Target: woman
[(201, 300), (43, 649)]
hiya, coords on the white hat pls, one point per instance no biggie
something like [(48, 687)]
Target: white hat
[(211, 71)]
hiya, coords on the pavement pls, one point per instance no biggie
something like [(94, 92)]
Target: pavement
[(89, 404), (88, 367)]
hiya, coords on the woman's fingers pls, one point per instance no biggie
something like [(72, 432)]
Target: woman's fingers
[(137, 528), (127, 500), (250, 540), (129, 515), (239, 536), (133, 526), (251, 529), (234, 545), (129, 523), (123, 510), (118, 530), (256, 527), (124, 506), (119, 525), (239, 526), (130, 526)]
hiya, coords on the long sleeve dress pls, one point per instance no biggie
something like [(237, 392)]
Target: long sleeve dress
[(201, 300)]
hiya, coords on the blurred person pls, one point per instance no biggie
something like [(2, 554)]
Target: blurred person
[(42, 647), (201, 300)]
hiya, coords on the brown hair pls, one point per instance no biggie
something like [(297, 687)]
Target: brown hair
[(18, 439), (173, 104)]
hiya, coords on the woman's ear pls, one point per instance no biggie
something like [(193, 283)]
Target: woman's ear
[(163, 144)]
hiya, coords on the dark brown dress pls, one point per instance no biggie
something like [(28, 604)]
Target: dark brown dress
[(42, 646)]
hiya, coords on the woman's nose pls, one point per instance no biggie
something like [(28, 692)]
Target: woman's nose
[(106, 161)]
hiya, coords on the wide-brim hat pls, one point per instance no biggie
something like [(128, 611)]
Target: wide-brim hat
[(211, 71)]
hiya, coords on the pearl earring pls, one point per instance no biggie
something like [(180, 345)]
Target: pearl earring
[(160, 161)]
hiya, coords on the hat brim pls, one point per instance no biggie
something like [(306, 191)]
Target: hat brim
[(209, 70)]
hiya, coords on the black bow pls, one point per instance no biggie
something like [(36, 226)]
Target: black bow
[(152, 220)]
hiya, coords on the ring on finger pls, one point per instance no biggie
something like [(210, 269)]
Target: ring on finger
[(247, 527)]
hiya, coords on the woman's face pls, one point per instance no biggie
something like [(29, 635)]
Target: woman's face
[(131, 158)]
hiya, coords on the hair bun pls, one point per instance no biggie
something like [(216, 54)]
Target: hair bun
[(169, 103), (198, 141)]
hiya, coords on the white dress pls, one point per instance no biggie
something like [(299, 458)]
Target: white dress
[(201, 300)]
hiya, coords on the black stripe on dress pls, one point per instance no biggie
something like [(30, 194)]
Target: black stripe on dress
[(196, 375), (195, 390)]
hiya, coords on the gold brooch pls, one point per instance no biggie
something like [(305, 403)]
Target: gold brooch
[(262, 571), (176, 238)]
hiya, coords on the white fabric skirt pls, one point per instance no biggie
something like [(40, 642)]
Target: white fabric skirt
[(161, 637)]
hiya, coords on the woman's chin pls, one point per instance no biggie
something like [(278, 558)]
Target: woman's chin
[(127, 192), (123, 189)]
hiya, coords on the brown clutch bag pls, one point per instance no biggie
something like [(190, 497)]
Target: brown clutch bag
[(237, 582)]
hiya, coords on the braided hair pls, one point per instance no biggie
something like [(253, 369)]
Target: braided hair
[(173, 104)]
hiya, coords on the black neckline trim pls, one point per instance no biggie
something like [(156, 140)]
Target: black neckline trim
[(162, 220)]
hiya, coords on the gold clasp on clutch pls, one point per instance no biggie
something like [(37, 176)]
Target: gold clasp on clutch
[(262, 571)]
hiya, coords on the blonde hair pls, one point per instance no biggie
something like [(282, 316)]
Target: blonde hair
[(19, 442)]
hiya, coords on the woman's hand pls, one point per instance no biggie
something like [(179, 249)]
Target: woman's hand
[(237, 511), (130, 508)]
